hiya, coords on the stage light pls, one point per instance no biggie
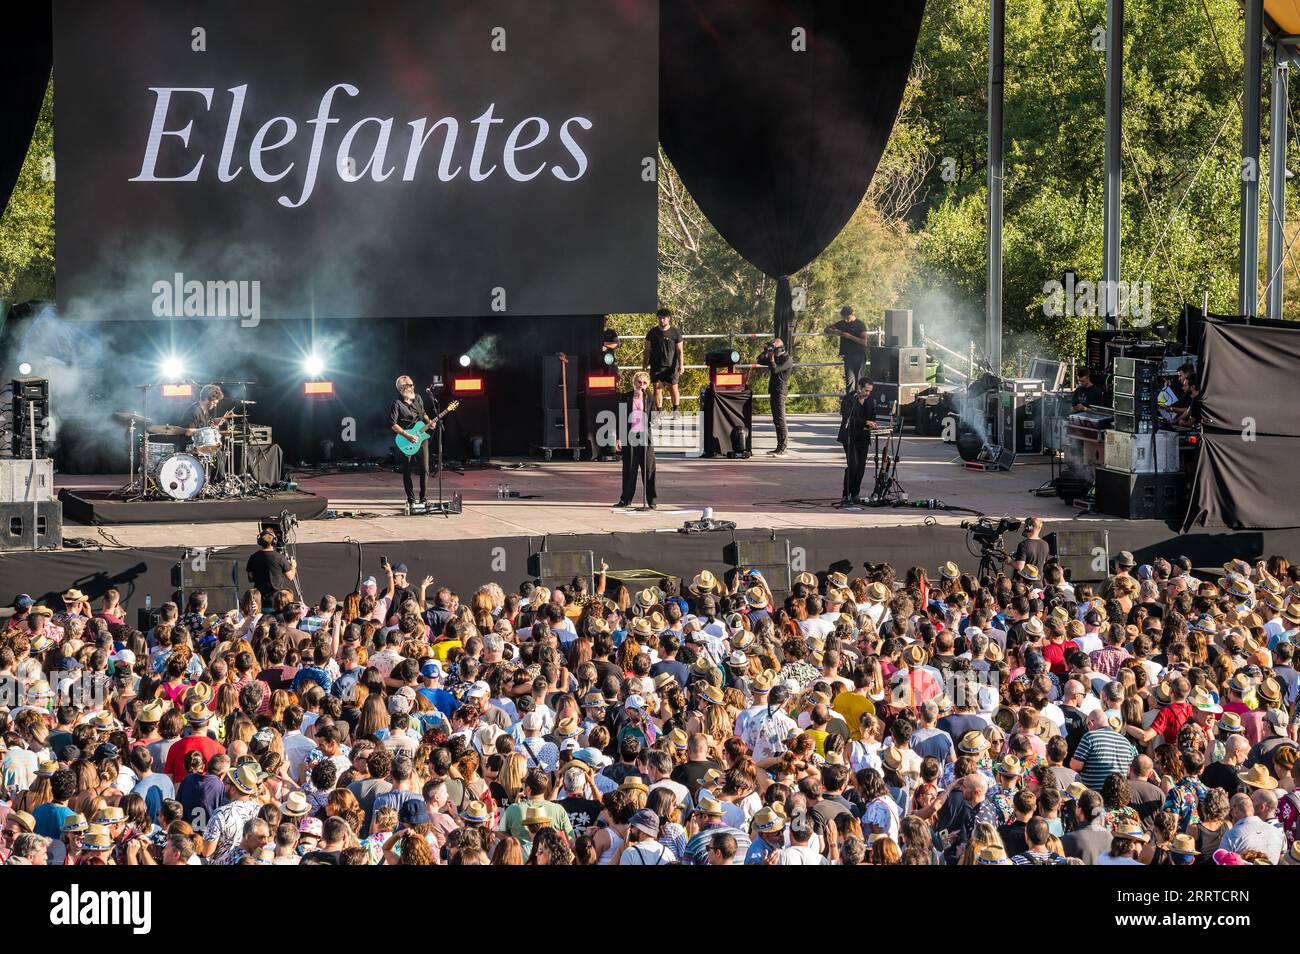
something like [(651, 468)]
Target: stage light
[(607, 358), (171, 368), (24, 368), (722, 358), (464, 361), (317, 388), (313, 366), (177, 390), (601, 383), (467, 385)]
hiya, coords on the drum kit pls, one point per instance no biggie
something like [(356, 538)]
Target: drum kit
[(211, 464)]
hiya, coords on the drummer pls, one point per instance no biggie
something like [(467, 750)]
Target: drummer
[(199, 414)]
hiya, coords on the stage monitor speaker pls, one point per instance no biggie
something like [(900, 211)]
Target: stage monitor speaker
[(769, 557), (1140, 496), (218, 577), (897, 365), (22, 481), (555, 567), (1084, 555), (18, 530), (559, 381), (898, 327), (595, 409)]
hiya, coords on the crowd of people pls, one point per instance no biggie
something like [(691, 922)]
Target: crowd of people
[(877, 719)]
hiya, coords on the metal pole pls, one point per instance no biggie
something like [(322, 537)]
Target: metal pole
[(997, 75), (1277, 131), (1248, 275), (1114, 161)]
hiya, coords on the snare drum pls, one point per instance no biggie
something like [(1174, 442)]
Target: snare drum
[(181, 477), (205, 440)]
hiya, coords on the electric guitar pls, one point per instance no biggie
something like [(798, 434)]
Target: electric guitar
[(421, 432)]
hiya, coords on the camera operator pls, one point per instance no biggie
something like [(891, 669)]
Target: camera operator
[(779, 364), (268, 569), (1031, 550)]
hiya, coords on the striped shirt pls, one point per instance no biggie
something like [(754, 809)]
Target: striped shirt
[(1103, 751)]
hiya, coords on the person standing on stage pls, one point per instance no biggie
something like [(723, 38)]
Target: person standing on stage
[(406, 412), (663, 358), (853, 346), (779, 364), (857, 421), (637, 446)]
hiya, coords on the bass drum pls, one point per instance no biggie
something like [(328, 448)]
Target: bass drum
[(181, 477)]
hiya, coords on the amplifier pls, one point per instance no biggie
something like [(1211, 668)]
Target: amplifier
[(1134, 424), (1143, 410), (769, 557), (897, 365), (1140, 369), (259, 435), (22, 481)]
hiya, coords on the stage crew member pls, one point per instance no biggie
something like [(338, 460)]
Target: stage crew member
[(1086, 394), (779, 364), (406, 412), (637, 445), (853, 346), (857, 421), (663, 358)]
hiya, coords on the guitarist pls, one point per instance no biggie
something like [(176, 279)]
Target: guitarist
[(406, 412)]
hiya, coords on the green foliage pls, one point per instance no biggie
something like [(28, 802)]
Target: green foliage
[(27, 226)]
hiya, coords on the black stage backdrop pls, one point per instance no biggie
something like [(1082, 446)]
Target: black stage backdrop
[(777, 145), (409, 158), (1251, 442), (466, 564), (28, 56)]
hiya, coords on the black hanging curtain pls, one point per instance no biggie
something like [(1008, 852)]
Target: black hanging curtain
[(29, 56), (778, 146), (1250, 394)]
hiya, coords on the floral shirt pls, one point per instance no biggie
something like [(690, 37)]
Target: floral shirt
[(1115, 817), (1003, 799), (801, 672), (1184, 800)]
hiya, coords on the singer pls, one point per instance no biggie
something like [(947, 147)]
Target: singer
[(857, 423)]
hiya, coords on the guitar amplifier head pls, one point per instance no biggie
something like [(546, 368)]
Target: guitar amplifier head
[(259, 435)]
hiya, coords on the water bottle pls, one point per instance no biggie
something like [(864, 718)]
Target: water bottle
[(507, 490), (148, 602), (500, 488)]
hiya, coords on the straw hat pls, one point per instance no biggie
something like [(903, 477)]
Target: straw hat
[(1270, 691), (1029, 572), (756, 598), (646, 599), (475, 813), (535, 817), (73, 595), (706, 804), (769, 820), (198, 714), (641, 627), (295, 806), (950, 571), (1183, 845), (1131, 831), (973, 743), (713, 694), (96, 839), (764, 681), (994, 651), (568, 728), (1258, 777), (915, 655), (47, 768), (109, 815), (891, 757), (1009, 765), (1230, 722), (877, 592), (704, 583), (1204, 702), (633, 783), (245, 778), (807, 579), (151, 712), (678, 738), (994, 855), (1032, 627), (75, 823)]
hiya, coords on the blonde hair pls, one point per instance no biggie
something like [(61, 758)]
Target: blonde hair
[(642, 376)]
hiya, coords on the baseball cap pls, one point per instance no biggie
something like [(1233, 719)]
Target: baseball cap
[(22, 601), (413, 812), (432, 670)]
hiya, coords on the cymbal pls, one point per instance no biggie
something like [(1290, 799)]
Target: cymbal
[(126, 417), (167, 430), (247, 402)]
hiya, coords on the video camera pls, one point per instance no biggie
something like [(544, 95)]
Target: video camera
[(988, 532)]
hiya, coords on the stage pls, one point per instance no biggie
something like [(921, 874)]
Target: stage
[(567, 506)]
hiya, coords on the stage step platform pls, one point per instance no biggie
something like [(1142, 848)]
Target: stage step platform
[(103, 508)]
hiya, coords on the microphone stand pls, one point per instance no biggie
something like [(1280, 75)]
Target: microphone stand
[(441, 506)]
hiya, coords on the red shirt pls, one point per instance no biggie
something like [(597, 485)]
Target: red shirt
[(1054, 655), (175, 764), (1170, 720)]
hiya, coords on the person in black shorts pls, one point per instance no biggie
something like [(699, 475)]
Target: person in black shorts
[(663, 358), (1032, 549)]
